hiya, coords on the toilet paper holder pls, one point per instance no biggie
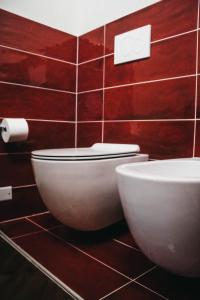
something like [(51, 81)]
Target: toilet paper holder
[(2, 128)]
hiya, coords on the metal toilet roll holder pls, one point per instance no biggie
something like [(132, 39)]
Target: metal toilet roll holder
[(2, 128)]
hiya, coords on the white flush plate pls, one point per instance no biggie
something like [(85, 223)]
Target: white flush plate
[(132, 45), (5, 193)]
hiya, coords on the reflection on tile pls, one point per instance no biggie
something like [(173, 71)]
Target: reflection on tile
[(91, 44), (15, 31), (24, 68)]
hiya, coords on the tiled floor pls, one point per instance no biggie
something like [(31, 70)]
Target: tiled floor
[(97, 265), (20, 280)]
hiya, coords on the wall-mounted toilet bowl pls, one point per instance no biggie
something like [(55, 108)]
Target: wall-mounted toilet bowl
[(79, 186), (161, 203)]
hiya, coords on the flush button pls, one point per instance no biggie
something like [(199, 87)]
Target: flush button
[(132, 45)]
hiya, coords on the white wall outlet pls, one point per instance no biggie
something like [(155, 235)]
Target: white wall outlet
[(5, 193), (132, 45)]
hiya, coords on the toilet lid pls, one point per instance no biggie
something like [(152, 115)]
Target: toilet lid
[(97, 151)]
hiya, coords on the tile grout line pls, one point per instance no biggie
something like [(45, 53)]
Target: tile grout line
[(37, 87), (134, 281), (76, 109), (24, 186), (40, 267), (137, 120), (85, 253), (92, 257), (82, 251), (45, 120), (152, 42), (139, 83), (25, 234), (37, 54), (28, 216), (174, 36), (126, 245), (196, 81), (104, 69)]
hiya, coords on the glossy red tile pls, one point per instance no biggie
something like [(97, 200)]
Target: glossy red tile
[(169, 17), (126, 260), (74, 268), (18, 228), (160, 139), (134, 291), (88, 134), (24, 34), (43, 135), (171, 99), (45, 220), (90, 106), (17, 170), (198, 49), (90, 75), (198, 98), (178, 52), (91, 44), (31, 103), (172, 286), (24, 68), (197, 144), (26, 201)]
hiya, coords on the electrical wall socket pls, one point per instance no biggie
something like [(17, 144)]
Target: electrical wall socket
[(5, 193)]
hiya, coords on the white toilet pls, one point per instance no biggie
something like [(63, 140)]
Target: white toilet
[(79, 186)]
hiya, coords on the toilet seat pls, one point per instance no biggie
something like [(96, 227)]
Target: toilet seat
[(96, 152)]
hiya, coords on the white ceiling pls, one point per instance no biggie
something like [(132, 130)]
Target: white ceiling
[(74, 16)]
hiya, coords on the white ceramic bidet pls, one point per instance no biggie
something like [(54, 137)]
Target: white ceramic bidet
[(161, 203), (79, 186)]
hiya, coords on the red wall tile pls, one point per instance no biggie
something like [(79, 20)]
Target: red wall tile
[(26, 201), (197, 147), (90, 106), (170, 58), (89, 133), (91, 44), (43, 135), (170, 99), (17, 170), (161, 139), (34, 103), (91, 75), (24, 68), (24, 34), (169, 17)]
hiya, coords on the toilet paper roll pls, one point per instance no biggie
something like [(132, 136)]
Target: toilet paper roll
[(14, 130)]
